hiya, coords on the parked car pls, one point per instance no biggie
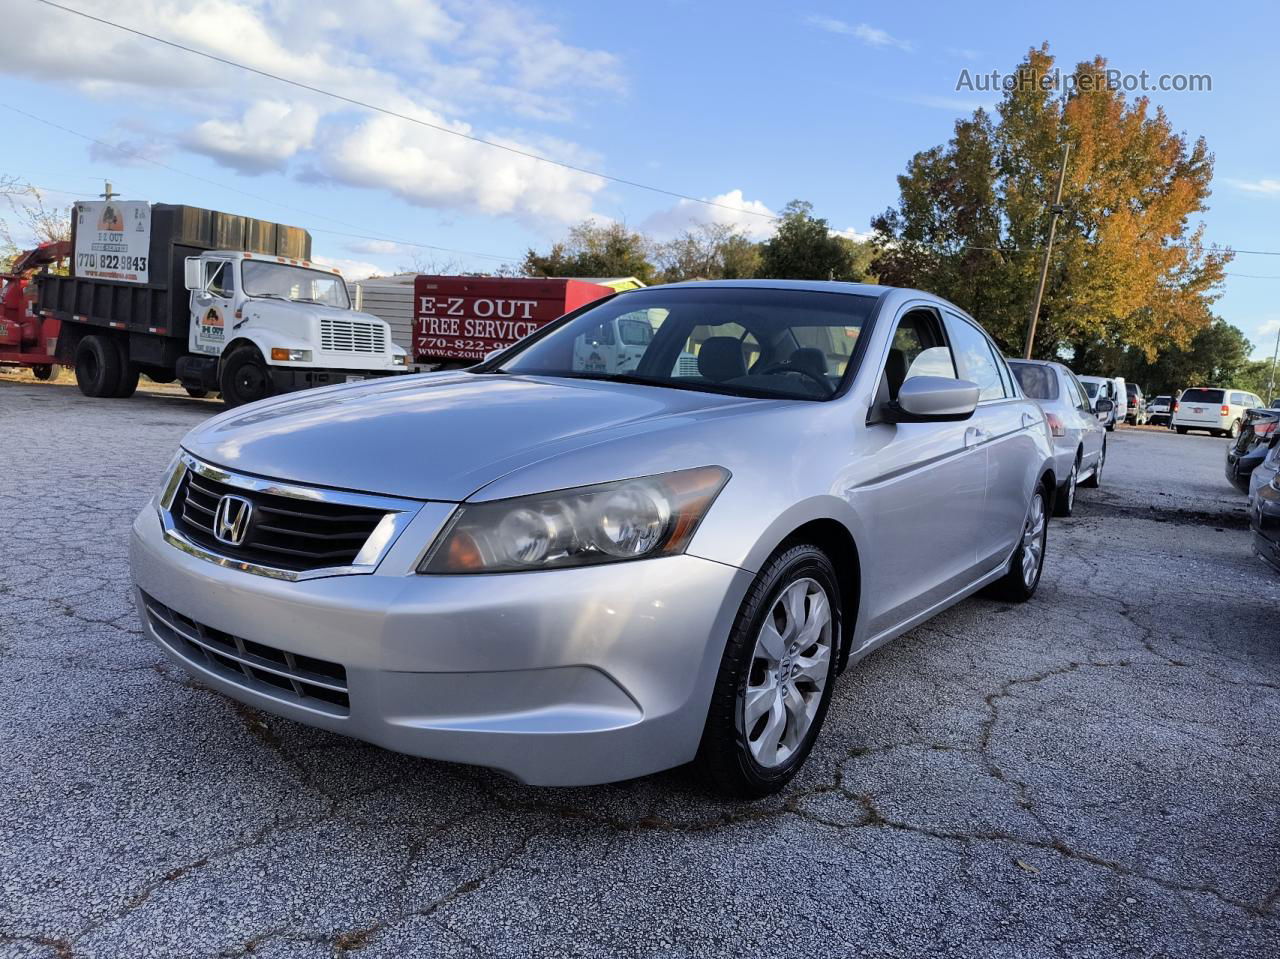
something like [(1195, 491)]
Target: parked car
[(1121, 399), (1079, 439), (1159, 410), (579, 576), (1258, 435), (1264, 508), (1103, 388), (1135, 406), (1220, 412)]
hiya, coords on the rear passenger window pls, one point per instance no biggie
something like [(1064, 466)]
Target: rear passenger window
[(1037, 382), (1237, 399), (976, 359)]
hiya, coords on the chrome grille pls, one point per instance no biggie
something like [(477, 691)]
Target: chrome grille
[(351, 336), (315, 683), (285, 532)]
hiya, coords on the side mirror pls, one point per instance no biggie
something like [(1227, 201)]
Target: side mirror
[(1103, 405), (191, 274), (933, 399)]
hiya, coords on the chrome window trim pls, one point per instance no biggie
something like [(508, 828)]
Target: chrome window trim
[(397, 515)]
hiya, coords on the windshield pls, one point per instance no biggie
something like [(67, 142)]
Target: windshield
[(1090, 387), (286, 282), (745, 341), (1038, 382)]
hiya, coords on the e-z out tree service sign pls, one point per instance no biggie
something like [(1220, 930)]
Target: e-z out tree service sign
[(113, 240)]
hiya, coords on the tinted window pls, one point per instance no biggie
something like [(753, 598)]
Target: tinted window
[(744, 341), (1090, 387), (1202, 396), (976, 360), (1237, 399), (1038, 382), (635, 332)]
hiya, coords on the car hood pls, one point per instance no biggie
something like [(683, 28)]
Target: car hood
[(438, 436)]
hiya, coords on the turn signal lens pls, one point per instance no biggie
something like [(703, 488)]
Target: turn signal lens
[(612, 522), (281, 355)]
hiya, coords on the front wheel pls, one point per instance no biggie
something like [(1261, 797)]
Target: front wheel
[(776, 676), (1027, 562), (196, 393), (245, 378)]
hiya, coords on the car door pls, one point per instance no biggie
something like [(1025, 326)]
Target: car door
[(1002, 420), (923, 501), (1093, 433), (213, 308)]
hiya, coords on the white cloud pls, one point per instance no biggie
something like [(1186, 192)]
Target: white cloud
[(686, 214), (852, 233), (952, 104), (351, 269), (871, 36), (439, 60), (1264, 186), (266, 136), (965, 53)]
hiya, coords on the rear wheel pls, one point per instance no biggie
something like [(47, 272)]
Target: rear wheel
[(1182, 430), (1027, 562), (1235, 429), (776, 676), (97, 366), (46, 371), (1065, 502), (245, 378), (197, 393)]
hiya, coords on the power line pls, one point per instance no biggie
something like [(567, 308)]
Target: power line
[(403, 116), (264, 199)]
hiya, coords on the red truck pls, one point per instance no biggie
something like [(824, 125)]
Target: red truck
[(27, 339), (457, 320)]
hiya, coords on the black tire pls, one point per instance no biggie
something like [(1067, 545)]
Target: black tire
[(1182, 430), (128, 384), (724, 757), (196, 393), (245, 378), (1014, 585), (97, 366), (1094, 481), (46, 372), (1064, 503), (1234, 432)]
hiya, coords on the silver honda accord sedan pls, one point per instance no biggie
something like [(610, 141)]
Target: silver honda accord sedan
[(576, 576)]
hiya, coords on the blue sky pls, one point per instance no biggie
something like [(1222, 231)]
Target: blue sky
[(753, 103)]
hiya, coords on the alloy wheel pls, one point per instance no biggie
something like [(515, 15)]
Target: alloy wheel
[(1033, 532), (788, 672)]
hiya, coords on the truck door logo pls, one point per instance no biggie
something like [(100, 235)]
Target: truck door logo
[(231, 520)]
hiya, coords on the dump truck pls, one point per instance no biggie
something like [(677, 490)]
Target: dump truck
[(216, 301)]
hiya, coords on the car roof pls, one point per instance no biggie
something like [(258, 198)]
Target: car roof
[(814, 286)]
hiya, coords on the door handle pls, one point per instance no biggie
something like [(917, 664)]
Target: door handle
[(1029, 420), (974, 436)]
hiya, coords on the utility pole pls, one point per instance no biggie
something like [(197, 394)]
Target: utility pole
[(1271, 386), (1055, 211), (108, 193)]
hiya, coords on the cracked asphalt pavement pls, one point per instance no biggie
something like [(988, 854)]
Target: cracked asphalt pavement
[(1094, 773)]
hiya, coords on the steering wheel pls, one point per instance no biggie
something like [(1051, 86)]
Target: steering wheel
[(785, 366)]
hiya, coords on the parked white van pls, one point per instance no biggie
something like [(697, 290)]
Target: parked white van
[(1219, 411), (1104, 388)]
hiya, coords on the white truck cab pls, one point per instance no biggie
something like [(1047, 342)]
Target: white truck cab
[(263, 324)]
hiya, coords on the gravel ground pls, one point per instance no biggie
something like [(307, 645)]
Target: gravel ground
[(1090, 774)]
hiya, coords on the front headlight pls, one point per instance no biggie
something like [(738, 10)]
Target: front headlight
[(609, 523)]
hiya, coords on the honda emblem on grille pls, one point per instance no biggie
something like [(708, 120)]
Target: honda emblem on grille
[(231, 519)]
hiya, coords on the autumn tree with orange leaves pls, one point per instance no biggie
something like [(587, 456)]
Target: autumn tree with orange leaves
[(1129, 268)]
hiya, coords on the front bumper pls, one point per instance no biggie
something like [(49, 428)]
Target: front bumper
[(287, 379), (557, 677)]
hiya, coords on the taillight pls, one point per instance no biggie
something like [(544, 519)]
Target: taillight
[(1175, 406), (1055, 424), (1226, 410), (1265, 429)]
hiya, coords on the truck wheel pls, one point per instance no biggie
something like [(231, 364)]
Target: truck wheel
[(245, 378), (128, 372), (46, 371), (97, 366), (196, 394)]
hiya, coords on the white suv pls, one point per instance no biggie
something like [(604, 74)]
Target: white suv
[(1218, 411)]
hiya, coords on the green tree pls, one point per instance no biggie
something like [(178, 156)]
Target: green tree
[(709, 251), (595, 249), (1217, 355), (804, 248), (1128, 268)]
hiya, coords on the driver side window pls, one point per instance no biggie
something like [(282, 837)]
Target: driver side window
[(919, 348), (218, 279)]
